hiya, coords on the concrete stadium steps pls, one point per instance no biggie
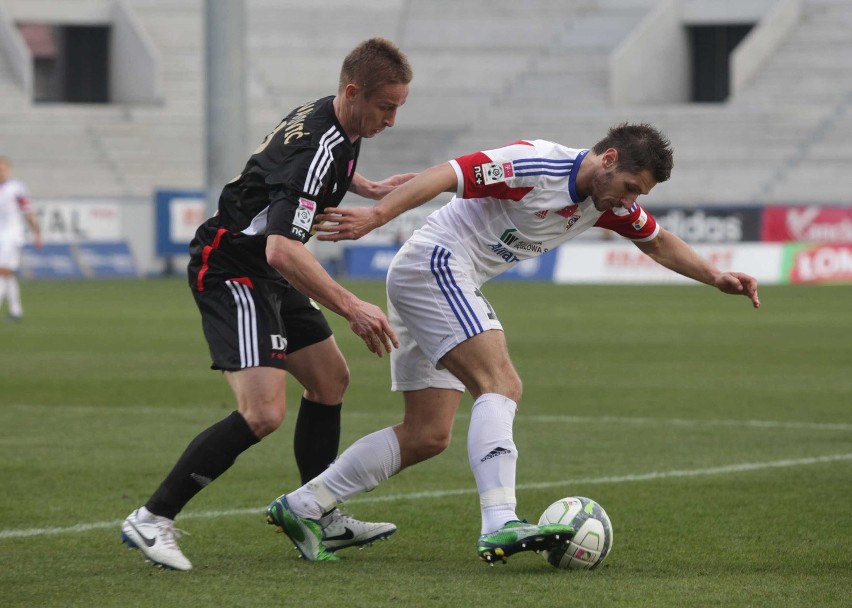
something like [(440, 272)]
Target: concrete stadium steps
[(568, 74), (487, 72), (810, 77)]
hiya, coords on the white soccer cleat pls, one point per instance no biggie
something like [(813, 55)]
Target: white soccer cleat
[(156, 538), (341, 530)]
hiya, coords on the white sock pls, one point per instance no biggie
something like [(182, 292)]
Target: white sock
[(143, 514), (363, 466), (493, 458), (13, 293)]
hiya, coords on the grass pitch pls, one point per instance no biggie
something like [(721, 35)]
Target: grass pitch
[(718, 438)]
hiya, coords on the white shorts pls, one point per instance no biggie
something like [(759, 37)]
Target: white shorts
[(433, 306), (10, 255)]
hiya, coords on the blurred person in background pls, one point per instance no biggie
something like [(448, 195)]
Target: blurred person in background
[(255, 284), (512, 203), (16, 212)]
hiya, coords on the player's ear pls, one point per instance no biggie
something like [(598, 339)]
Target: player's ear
[(351, 91), (610, 158)]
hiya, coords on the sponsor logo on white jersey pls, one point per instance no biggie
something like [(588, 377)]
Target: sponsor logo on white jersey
[(640, 221), (568, 211), (495, 172), (509, 238)]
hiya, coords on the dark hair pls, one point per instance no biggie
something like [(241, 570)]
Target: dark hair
[(373, 64), (640, 146)]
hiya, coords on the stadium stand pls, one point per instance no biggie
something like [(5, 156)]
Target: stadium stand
[(486, 73)]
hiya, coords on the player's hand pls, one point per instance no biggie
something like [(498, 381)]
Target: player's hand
[(345, 223), (738, 283), (386, 186), (371, 325)]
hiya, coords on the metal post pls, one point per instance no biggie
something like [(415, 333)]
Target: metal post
[(226, 94)]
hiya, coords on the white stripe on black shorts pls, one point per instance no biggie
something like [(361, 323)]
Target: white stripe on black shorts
[(257, 324)]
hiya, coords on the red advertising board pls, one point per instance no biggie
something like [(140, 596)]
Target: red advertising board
[(805, 224), (819, 263)]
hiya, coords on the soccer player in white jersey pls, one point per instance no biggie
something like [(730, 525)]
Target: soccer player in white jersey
[(510, 204), (15, 211)]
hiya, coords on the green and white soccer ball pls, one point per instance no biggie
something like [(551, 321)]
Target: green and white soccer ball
[(591, 543)]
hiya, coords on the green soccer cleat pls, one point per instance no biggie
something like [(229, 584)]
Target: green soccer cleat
[(517, 536), (305, 533)]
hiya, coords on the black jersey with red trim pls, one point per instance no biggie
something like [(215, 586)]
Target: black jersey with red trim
[(303, 166)]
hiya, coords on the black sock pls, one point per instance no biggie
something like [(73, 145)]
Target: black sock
[(317, 437), (207, 456)]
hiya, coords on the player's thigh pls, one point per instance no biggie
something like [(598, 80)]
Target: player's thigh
[(434, 305), (313, 356), (261, 394), (321, 369), (411, 368)]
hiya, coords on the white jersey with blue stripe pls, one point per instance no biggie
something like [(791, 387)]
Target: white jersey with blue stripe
[(518, 202)]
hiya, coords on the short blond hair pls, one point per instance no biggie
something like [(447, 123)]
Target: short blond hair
[(374, 63)]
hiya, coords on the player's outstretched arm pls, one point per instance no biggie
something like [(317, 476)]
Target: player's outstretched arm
[(351, 223), (670, 251)]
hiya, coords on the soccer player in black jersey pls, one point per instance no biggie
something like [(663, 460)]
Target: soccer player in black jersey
[(255, 284)]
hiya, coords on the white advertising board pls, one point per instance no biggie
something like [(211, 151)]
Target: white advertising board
[(623, 262)]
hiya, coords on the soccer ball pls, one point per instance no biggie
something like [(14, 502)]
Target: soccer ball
[(592, 541)]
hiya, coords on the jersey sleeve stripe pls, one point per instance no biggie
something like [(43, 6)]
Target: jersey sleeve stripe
[(321, 161)]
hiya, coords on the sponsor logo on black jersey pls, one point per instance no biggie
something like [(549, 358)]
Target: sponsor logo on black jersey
[(279, 346), (304, 216)]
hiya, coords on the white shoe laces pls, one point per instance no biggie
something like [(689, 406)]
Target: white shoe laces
[(338, 516), (169, 534)]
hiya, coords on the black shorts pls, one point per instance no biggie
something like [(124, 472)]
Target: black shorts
[(257, 324)]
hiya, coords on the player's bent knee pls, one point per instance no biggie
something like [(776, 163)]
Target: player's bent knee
[(331, 390), (264, 422), (431, 445)]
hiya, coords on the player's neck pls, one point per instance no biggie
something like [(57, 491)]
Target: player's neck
[(584, 175), (344, 118)]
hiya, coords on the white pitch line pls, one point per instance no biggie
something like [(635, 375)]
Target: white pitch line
[(761, 424), (722, 470), (522, 417)]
